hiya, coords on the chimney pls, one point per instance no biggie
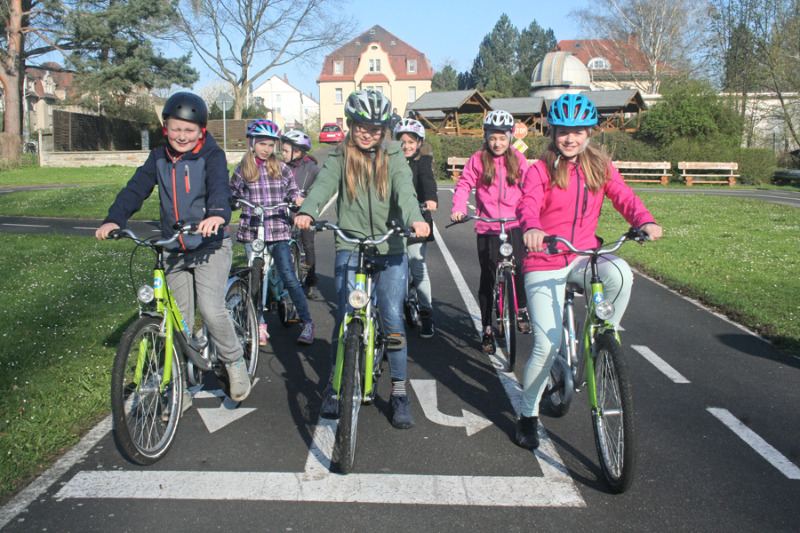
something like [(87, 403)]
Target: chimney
[(633, 40), (285, 78)]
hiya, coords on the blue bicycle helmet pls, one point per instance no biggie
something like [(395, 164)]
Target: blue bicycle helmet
[(572, 110), (263, 128)]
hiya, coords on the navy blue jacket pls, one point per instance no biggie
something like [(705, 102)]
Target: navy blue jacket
[(191, 188)]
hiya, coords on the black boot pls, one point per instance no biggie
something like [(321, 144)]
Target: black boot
[(527, 435)]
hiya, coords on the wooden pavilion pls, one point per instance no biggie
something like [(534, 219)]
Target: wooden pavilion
[(451, 112)]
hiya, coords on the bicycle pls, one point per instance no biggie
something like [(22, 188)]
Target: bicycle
[(264, 285), (362, 345), (411, 304), (504, 285), (597, 352), (146, 378)]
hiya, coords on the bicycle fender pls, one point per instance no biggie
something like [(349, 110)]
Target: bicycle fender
[(395, 341), (192, 353)]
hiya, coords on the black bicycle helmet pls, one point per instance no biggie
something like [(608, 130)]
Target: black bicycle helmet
[(368, 106), (186, 106)]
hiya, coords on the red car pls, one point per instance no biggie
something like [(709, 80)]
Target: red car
[(331, 133)]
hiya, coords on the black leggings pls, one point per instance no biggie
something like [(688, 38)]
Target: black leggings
[(488, 256)]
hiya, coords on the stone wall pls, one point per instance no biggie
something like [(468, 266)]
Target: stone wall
[(133, 158)]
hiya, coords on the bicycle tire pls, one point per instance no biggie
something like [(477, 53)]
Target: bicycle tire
[(613, 423), (349, 398), (411, 305), (137, 410), (560, 389), (245, 323), (508, 320), (297, 262), (254, 284)]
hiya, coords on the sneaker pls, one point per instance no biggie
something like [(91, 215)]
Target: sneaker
[(487, 343), (330, 405), (185, 405), (401, 412), (307, 335), (524, 321), (239, 380), (527, 434), (312, 293), (262, 335), (426, 318)]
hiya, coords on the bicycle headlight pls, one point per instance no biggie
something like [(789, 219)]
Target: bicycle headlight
[(146, 293), (506, 249), (258, 245), (358, 298), (604, 309)]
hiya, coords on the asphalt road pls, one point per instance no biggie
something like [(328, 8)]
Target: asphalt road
[(716, 414)]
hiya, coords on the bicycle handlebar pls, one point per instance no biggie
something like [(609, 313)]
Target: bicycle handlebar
[(482, 219), (118, 234), (396, 228), (633, 234), (259, 209)]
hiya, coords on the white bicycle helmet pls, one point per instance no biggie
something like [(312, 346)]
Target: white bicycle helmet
[(368, 106), (409, 125), (298, 139), (498, 120)]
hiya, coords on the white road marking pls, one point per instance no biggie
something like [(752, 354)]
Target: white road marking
[(81, 227), (426, 393), (26, 225), (660, 364), (752, 439), (219, 417)]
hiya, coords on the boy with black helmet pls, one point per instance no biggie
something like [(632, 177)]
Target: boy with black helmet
[(192, 178)]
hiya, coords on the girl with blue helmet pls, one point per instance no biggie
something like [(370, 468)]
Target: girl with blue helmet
[(562, 194)]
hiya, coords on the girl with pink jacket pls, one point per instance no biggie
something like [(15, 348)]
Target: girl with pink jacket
[(562, 195), (495, 172)]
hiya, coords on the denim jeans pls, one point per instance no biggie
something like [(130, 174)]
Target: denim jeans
[(546, 296), (205, 272), (416, 261), (391, 273), (282, 255)]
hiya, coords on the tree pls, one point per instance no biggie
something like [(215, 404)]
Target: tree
[(494, 66), (533, 43), (445, 79), (667, 33), (243, 40), (97, 34), (466, 81)]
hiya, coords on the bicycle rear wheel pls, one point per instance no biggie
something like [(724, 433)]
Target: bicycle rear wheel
[(245, 323), (508, 319), (145, 418), (349, 398), (297, 262), (614, 431)]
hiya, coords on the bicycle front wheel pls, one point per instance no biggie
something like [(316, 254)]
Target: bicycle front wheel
[(245, 323), (350, 397), (508, 319), (145, 414), (297, 262), (614, 431)]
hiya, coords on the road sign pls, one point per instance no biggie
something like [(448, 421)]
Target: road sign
[(520, 130), (224, 101), (520, 146)]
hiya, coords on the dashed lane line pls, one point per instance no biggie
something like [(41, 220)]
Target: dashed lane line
[(660, 364)]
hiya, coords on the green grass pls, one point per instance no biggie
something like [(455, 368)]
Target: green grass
[(736, 255), (89, 201)]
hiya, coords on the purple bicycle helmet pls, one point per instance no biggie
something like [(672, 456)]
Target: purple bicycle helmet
[(409, 125), (298, 139), (263, 128)]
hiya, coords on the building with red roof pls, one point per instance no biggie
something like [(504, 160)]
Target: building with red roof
[(376, 59)]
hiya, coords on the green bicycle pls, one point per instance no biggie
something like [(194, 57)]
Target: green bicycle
[(362, 345), (147, 380), (598, 353)]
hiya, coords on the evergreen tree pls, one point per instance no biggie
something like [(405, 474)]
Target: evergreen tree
[(445, 79), (466, 81), (494, 68), (533, 43)]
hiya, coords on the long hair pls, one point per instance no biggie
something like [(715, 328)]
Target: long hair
[(513, 172), (249, 167), (359, 167), (593, 162)]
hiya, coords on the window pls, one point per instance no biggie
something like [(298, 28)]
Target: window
[(598, 63), (412, 65), (277, 98), (379, 89), (337, 96), (412, 94), (337, 68), (374, 65)]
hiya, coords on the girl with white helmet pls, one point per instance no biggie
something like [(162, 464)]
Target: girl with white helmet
[(374, 187), (419, 156), (262, 179), (494, 172), (563, 193), (295, 146)]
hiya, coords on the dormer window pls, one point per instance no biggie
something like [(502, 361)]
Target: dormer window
[(412, 66), (374, 65), (598, 63), (337, 68)]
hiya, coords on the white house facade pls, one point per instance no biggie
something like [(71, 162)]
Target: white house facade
[(286, 101)]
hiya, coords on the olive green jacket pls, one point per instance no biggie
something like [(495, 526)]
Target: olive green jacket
[(366, 214)]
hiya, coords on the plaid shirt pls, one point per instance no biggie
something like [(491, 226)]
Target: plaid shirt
[(265, 192)]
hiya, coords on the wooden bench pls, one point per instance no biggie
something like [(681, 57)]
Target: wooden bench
[(455, 165), (644, 171), (709, 172)]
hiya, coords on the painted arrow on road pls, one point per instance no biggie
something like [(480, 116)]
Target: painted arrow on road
[(426, 392), (219, 417)]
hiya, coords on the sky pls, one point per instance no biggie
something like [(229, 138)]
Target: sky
[(444, 30)]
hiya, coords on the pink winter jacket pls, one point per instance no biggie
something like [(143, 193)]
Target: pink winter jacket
[(572, 213), (498, 200)]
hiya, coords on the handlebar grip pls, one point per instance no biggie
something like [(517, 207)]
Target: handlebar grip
[(115, 234), (550, 241), (319, 225)]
